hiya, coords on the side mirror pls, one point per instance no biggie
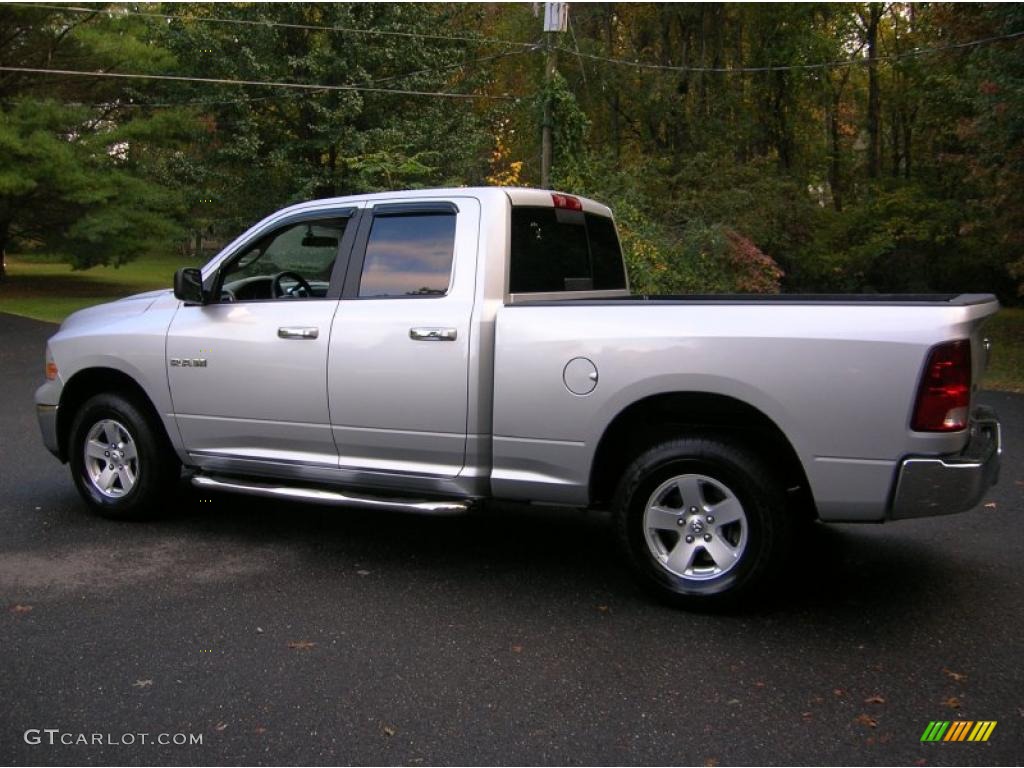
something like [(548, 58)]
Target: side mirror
[(188, 285)]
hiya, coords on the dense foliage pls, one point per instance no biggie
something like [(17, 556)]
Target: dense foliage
[(822, 147)]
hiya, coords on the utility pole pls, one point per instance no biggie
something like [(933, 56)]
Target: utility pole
[(556, 17)]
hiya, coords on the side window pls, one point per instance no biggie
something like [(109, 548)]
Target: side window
[(408, 255), (293, 262)]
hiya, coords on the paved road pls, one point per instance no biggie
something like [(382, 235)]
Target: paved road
[(296, 635)]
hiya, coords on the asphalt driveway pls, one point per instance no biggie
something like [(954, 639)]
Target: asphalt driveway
[(290, 634)]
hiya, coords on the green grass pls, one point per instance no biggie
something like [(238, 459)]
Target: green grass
[(1006, 369), (45, 289)]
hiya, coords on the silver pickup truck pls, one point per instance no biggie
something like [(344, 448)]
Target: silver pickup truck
[(428, 351)]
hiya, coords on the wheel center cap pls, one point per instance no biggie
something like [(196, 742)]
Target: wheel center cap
[(697, 525)]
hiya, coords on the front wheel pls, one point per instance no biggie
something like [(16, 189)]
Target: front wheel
[(702, 521), (119, 459)]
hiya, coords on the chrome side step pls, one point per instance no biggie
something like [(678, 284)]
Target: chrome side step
[(319, 496)]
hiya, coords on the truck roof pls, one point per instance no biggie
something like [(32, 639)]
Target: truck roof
[(517, 195)]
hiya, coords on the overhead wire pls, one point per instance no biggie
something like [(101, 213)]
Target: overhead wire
[(256, 83), (284, 24), (301, 94), (646, 65)]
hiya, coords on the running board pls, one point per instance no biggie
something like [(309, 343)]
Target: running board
[(319, 496)]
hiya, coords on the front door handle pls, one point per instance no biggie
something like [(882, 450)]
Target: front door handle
[(432, 334), (298, 333)]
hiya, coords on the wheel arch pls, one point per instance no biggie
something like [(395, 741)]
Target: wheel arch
[(654, 418), (93, 381)]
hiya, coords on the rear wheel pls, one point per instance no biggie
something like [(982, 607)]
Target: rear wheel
[(119, 459), (702, 521)]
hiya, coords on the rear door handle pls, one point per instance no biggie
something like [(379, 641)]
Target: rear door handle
[(298, 333), (433, 334)]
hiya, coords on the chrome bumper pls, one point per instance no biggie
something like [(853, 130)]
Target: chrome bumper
[(947, 484), (47, 415)]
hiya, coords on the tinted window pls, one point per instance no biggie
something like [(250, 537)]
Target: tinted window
[(559, 250), (605, 253), (409, 255), (269, 269)]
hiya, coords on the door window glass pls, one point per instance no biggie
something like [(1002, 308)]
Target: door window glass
[(409, 255), (294, 262)]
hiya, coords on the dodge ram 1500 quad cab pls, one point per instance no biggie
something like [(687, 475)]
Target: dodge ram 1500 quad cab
[(427, 351)]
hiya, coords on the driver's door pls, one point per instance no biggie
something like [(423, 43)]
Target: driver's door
[(248, 373)]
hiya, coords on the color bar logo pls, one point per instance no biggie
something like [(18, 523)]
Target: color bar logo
[(958, 730)]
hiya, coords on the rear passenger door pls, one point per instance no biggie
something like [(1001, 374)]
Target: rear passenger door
[(399, 355)]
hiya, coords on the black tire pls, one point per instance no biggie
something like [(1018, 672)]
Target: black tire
[(155, 467), (724, 465)]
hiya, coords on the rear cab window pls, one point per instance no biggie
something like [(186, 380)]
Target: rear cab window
[(556, 250)]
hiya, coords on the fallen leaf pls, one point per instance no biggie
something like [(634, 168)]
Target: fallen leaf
[(18, 608), (920, 761), (301, 645), (517, 649), (807, 715), (990, 505), (711, 762), (759, 683), (867, 720), (876, 699), (259, 730), (142, 683), (603, 608), (957, 676), (838, 692), (952, 702), (220, 726), (389, 730)]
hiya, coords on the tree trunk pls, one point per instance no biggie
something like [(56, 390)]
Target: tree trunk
[(5, 229), (894, 150), (874, 99), (835, 181), (784, 136), (908, 135), (614, 98)]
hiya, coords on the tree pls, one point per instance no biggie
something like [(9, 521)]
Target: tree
[(76, 161), (266, 148)]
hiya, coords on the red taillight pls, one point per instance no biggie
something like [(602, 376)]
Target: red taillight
[(944, 396), (566, 201)]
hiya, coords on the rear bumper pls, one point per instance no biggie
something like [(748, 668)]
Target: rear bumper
[(944, 485)]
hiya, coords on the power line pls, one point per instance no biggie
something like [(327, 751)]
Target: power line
[(301, 94), (261, 83), (284, 24), (790, 67)]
